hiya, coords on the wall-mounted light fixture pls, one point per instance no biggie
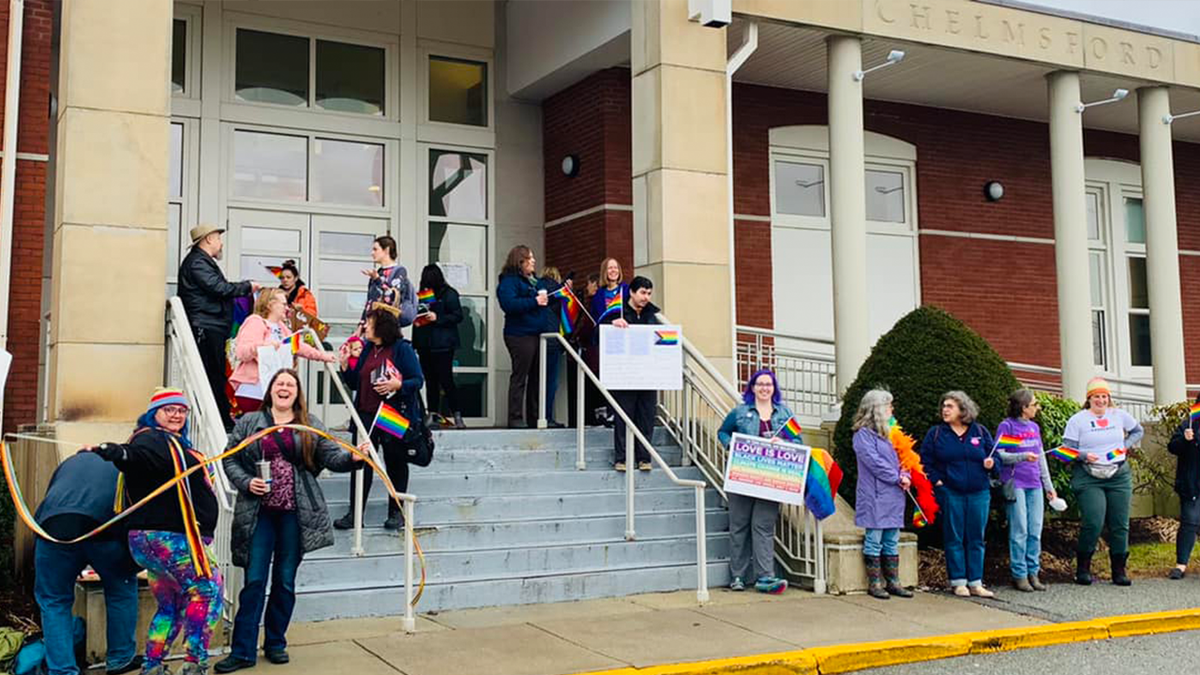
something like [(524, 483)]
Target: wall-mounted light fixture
[(1167, 119), (1118, 95), (895, 56), (570, 166), (993, 190)]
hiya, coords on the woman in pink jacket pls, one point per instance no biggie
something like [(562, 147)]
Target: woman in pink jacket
[(265, 327)]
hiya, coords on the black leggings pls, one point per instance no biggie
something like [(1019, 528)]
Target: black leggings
[(438, 368), (395, 459), (1189, 519)]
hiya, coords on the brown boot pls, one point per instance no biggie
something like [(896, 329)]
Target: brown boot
[(875, 586), (891, 572), (1036, 582)]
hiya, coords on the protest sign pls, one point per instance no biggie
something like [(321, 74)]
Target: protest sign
[(647, 357), (767, 469)]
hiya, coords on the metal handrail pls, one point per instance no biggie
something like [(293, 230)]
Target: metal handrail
[(632, 434), (767, 332)]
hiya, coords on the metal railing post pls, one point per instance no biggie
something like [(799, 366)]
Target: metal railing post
[(359, 502), (686, 424), (701, 548), (541, 421), (630, 469), (819, 582), (580, 406), (410, 622)]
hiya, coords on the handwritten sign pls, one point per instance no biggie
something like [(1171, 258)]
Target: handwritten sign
[(758, 467), (648, 357)]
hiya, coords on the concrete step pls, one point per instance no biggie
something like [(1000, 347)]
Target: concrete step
[(532, 439), (505, 561), (533, 531), (335, 602), (465, 483), (432, 510), (543, 459)]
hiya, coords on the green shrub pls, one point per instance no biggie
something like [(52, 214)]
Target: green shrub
[(1153, 466), (1052, 418), (927, 353)]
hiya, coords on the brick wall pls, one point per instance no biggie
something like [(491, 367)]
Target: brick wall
[(29, 213)]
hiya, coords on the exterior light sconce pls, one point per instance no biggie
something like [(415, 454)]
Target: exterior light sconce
[(1118, 95), (570, 166), (895, 56), (1167, 119), (993, 190)]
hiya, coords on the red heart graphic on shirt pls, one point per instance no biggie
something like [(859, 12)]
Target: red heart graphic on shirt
[(1102, 423)]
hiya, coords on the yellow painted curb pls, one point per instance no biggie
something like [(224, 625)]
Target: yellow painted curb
[(846, 658), (1153, 622), (798, 662), (1024, 637)]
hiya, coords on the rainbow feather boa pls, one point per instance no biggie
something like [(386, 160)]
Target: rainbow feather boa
[(910, 461)]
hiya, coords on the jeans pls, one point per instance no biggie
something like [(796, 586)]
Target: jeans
[(1025, 515), (964, 519), (554, 352), (276, 540), (752, 535), (55, 567), (1103, 504), (881, 542), (1189, 519)]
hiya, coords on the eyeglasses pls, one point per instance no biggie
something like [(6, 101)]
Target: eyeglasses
[(174, 410), (763, 384)]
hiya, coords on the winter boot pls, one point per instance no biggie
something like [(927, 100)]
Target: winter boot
[(875, 587), (1118, 569), (1083, 569), (891, 572), (1036, 582)]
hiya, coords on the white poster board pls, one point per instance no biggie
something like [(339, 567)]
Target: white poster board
[(773, 470), (641, 357), (271, 360)]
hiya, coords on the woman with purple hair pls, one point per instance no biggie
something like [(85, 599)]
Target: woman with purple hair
[(752, 520)]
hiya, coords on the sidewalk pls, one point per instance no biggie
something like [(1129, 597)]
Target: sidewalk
[(641, 630)]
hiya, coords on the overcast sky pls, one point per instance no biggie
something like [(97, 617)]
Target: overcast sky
[(1181, 16)]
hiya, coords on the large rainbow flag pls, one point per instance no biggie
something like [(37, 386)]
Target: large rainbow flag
[(569, 309), (820, 490), (1194, 413)]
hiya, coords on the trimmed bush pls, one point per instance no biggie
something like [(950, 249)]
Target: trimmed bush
[(927, 353)]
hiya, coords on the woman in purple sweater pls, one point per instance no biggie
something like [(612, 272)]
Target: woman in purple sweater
[(1025, 476)]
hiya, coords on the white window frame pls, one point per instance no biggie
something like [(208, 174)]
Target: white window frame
[(188, 199), (1100, 247), (489, 292), (192, 16), (448, 132), (390, 44)]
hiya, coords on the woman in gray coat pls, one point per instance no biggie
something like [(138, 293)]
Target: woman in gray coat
[(879, 495), (752, 520), (275, 523)]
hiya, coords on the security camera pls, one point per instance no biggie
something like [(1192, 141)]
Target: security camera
[(711, 13)]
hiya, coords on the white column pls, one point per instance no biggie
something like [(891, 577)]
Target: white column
[(1070, 233), (1162, 246), (847, 208)]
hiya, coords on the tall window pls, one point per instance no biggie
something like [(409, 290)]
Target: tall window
[(458, 91)]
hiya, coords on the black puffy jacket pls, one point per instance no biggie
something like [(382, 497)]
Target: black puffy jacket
[(441, 335), (1187, 472), (207, 297)]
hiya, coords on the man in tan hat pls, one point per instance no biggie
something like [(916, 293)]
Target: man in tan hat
[(208, 299)]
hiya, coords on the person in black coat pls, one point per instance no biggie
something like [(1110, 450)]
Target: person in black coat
[(638, 404), (435, 337), (386, 372), (208, 301), (1184, 446)]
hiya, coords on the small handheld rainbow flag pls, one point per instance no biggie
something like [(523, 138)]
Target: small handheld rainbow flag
[(1114, 455), (426, 296), (1194, 413), (918, 520), (790, 430), (1008, 442), (390, 420), (1064, 454), (295, 340), (667, 338)]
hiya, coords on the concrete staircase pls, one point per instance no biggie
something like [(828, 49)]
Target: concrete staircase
[(505, 518)]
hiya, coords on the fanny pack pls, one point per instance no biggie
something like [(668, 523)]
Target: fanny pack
[(1102, 471)]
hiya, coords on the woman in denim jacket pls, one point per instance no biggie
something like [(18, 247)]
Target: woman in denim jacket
[(752, 520)]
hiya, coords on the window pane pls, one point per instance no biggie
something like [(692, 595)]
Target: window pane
[(457, 185), (885, 196), (269, 166), (341, 273), (271, 68), (472, 333), (342, 304), (1135, 221), (174, 216), (458, 91), (1093, 216), (1096, 277), (472, 393), (345, 172), (345, 243), (1099, 339), (178, 55), (1139, 297), (800, 189), (175, 178), (350, 78), (1139, 339), (461, 251), (273, 239)]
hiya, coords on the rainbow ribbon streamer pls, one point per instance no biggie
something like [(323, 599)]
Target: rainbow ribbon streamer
[(668, 338), (191, 525), (1064, 454)]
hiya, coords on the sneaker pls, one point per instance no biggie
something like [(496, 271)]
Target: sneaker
[(619, 466), (458, 421), (231, 663), (1176, 573), (644, 466), (190, 668), (737, 584), (277, 656), (981, 592), (160, 669), (772, 585), (346, 522), (962, 592), (134, 664)]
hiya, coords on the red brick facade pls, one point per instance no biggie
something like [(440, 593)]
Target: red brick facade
[(29, 212), (957, 153)]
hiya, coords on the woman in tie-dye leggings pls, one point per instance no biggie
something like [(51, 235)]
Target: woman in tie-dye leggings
[(184, 579)]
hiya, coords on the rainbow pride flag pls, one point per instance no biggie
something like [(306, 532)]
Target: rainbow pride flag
[(390, 420), (668, 338), (1194, 413), (1008, 442), (919, 520), (614, 304), (294, 341), (1114, 455), (426, 296), (1064, 454), (820, 488), (790, 431)]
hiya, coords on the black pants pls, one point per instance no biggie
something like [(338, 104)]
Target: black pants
[(640, 405), (438, 368), (1189, 520), (211, 344), (395, 459), (523, 383)]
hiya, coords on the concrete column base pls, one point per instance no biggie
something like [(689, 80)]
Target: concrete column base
[(845, 571)]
